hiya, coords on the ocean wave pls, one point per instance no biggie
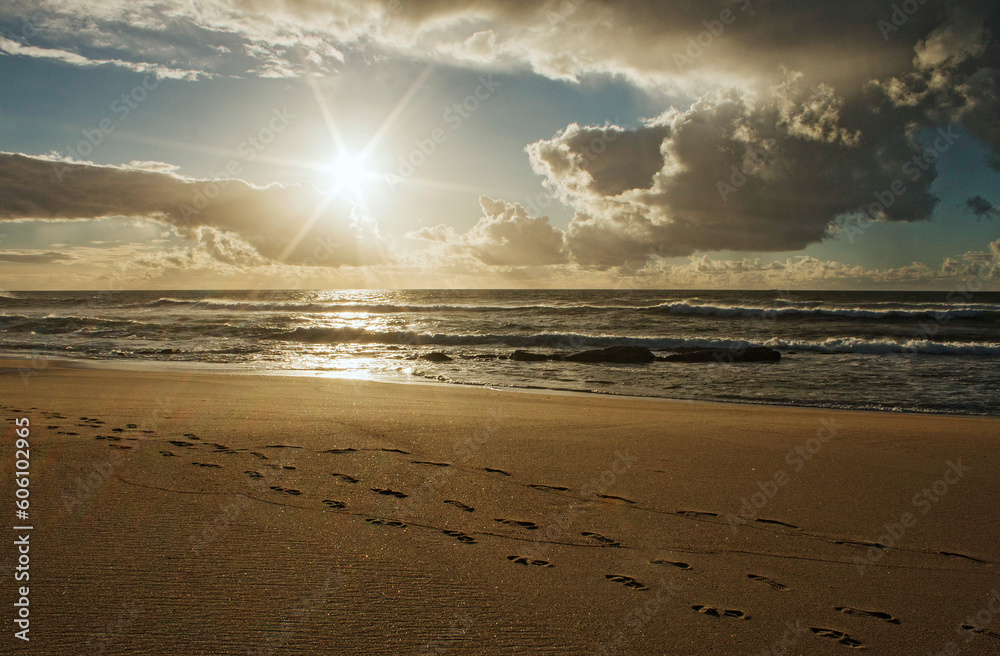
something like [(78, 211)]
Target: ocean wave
[(332, 307), (886, 346), (937, 313), (571, 341), (780, 309), (53, 325)]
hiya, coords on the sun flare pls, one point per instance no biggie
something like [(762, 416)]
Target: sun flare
[(349, 175)]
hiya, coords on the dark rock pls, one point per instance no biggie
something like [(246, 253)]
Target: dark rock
[(435, 356), (528, 356), (749, 354), (619, 354)]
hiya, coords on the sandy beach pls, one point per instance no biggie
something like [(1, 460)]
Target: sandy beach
[(200, 513)]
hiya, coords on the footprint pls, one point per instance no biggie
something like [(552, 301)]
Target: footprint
[(345, 477), (711, 611), (428, 462), (169, 454), (776, 522), (523, 560), (771, 582), (253, 474), (627, 581), (867, 613), (389, 493), (550, 488), (614, 498), (839, 636), (958, 555), (696, 513), (395, 451), (188, 435), (531, 526), (672, 563), (280, 466), (207, 464), (131, 426), (293, 492), (51, 427), (460, 505), (861, 543), (178, 443), (335, 505), (461, 537), (607, 542), (346, 450), (281, 446), (494, 470), (378, 521), (981, 630), (259, 455), (117, 430)]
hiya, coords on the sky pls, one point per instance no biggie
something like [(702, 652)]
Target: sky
[(736, 144)]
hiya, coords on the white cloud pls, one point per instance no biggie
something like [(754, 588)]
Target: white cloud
[(505, 236)]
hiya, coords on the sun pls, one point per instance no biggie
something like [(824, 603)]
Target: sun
[(349, 175)]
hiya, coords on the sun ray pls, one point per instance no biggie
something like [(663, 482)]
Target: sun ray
[(397, 111)]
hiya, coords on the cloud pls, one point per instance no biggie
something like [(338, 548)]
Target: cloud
[(505, 236), (9, 47), (982, 208), (955, 78), (787, 117), (35, 257), (295, 224), (735, 171)]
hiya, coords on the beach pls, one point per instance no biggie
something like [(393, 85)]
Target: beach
[(182, 512)]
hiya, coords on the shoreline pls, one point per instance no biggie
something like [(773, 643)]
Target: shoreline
[(223, 369)]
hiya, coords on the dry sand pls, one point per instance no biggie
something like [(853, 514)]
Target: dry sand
[(193, 513)]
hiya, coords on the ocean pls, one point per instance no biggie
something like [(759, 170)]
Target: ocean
[(890, 351)]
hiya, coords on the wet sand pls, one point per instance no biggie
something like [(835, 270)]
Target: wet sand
[(199, 513)]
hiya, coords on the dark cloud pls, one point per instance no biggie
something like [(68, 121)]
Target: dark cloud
[(736, 172), (982, 208), (232, 219)]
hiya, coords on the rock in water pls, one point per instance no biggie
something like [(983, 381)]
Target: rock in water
[(618, 354), (528, 356), (435, 356)]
